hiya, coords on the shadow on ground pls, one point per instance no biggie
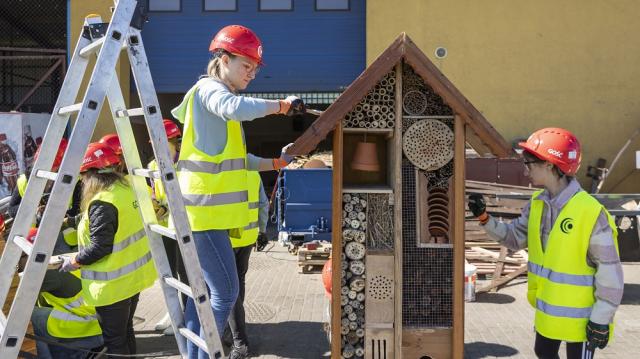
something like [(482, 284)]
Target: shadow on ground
[(631, 294), (288, 339), (479, 350), (156, 345), (495, 298)]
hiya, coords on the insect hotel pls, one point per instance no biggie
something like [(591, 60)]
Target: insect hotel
[(400, 131)]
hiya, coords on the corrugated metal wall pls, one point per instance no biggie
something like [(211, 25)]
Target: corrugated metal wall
[(304, 49)]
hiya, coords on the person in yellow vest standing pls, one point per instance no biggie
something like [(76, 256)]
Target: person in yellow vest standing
[(575, 279), (114, 259), (213, 162), (243, 241), (66, 318), (174, 135)]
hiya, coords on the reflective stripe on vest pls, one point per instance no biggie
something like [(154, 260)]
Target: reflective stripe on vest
[(560, 282), (71, 317), (214, 187), (129, 268), (248, 235)]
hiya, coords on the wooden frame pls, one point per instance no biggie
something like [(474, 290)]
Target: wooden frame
[(470, 126)]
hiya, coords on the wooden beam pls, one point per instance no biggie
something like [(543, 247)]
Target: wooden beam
[(397, 209), (336, 249), (457, 349), (358, 89), (504, 280)]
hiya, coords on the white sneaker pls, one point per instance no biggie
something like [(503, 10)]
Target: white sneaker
[(168, 331), (164, 323)]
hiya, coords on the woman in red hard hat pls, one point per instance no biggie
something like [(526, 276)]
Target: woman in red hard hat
[(114, 258), (213, 162), (575, 276)]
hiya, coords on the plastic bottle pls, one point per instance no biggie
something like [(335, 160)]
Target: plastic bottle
[(10, 169)]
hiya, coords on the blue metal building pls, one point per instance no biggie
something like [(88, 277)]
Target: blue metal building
[(306, 49)]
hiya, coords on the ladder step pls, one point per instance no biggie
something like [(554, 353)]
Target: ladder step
[(130, 112), (24, 244), (95, 47), (163, 231), (70, 109), (47, 175), (195, 339), (181, 287), (146, 173)]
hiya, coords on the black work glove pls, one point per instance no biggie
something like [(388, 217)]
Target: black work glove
[(477, 205), (597, 335), (261, 242), (297, 107)]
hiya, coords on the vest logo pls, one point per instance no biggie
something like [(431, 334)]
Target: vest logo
[(566, 225), (555, 152), (135, 204)]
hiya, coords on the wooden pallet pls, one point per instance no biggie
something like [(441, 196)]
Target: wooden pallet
[(312, 260)]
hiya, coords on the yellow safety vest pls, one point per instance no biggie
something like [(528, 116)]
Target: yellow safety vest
[(71, 317), (22, 184), (70, 236), (560, 282), (129, 268), (214, 188), (249, 234)]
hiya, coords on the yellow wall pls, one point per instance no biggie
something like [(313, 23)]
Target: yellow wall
[(532, 64), (79, 9)]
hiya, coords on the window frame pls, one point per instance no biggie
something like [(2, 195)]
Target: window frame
[(322, 10), (165, 11), (275, 10), (204, 9)]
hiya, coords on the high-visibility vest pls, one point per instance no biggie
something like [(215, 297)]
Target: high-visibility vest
[(249, 234), (71, 317), (129, 268), (22, 184), (560, 282), (70, 236), (214, 188)]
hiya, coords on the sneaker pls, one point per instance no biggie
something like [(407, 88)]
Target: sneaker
[(164, 323), (240, 352)]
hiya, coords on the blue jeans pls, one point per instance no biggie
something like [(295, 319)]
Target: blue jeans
[(46, 351), (219, 269)]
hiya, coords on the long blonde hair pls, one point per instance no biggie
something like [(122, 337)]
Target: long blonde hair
[(94, 182)]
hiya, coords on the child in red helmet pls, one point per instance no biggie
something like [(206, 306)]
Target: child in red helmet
[(114, 259), (213, 163), (575, 280)]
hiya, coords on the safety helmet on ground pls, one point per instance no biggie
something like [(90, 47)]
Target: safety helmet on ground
[(326, 278), (172, 130), (238, 40), (99, 155), (112, 140), (555, 145), (62, 148), (31, 237)]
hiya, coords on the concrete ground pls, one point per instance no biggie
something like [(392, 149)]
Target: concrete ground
[(285, 312)]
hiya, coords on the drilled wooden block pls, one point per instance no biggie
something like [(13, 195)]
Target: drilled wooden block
[(379, 289), (379, 343)]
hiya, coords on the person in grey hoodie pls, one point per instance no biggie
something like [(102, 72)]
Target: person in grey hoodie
[(575, 279), (213, 164)]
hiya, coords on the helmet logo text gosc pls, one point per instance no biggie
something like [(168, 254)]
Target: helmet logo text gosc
[(555, 152)]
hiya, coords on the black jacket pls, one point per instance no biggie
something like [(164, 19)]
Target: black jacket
[(103, 224)]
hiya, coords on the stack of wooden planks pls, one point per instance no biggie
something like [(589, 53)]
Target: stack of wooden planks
[(493, 261)]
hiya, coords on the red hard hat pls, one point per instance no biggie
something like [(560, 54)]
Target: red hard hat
[(62, 147), (171, 129), (112, 140), (326, 278), (99, 155), (31, 237), (238, 40), (555, 145)]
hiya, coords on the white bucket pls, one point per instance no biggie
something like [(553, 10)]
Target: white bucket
[(470, 282)]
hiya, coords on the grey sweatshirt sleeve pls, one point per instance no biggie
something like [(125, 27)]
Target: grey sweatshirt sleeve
[(511, 235), (263, 214), (217, 99), (609, 280)]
